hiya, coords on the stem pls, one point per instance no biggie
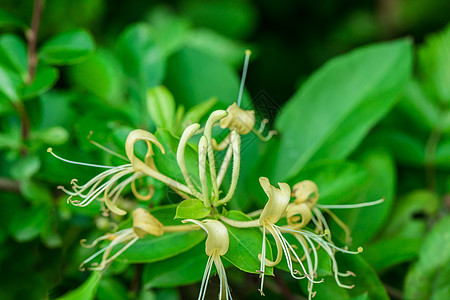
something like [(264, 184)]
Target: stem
[(180, 228), (241, 224), (24, 124), (32, 35), (430, 156), (9, 185)]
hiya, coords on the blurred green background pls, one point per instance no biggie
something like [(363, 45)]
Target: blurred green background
[(96, 78)]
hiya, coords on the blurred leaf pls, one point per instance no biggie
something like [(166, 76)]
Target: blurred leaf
[(337, 106), (169, 30), (430, 275), (410, 214), (44, 80), (8, 20), (192, 209), (156, 248), (161, 107), (389, 252), (442, 156), (51, 136), (10, 83), (397, 141), (196, 113), (245, 246), (182, 269), (86, 291), (36, 192), (337, 181), (416, 104), (235, 19), (382, 183), (225, 49), (141, 58), (193, 77), (27, 223), (101, 75), (59, 101), (26, 168), (68, 48), (434, 60), (13, 54), (111, 289)]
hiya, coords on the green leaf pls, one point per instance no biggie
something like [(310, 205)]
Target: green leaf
[(13, 54), (389, 252), (54, 136), (208, 77), (430, 275), (337, 106), (403, 221), (434, 60), (68, 48), (442, 157), (245, 245), (183, 269), (11, 82), (366, 282), (44, 80), (169, 30), (192, 209), (156, 248), (219, 46), (8, 20), (382, 182), (35, 192), (86, 291), (196, 113), (167, 163), (27, 223), (161, 107), (417, 105), (397, 141), (26, 167), (337, 181), (111, 289), (235, 19), (100, 74), (141, 58)]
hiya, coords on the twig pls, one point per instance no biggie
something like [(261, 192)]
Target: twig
[(9, 185), (396, 294), (32, 35), (134, 286)]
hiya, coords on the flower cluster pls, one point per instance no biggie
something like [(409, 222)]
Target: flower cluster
[(303, 217)]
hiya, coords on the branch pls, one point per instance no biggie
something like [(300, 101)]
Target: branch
[(32, 35), (9, 185)]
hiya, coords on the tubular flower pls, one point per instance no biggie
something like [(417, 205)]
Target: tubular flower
[(143, 224), (216, 245), (271, 214)]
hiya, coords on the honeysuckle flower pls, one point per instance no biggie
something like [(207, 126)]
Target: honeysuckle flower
[(143, 224), (271, 214), (216, 245)]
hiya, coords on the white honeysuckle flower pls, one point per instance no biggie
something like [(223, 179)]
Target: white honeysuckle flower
[(216, 245), (143, 224)]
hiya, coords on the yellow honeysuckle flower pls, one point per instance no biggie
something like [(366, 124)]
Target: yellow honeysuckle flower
[(143, 224), (216, 245)]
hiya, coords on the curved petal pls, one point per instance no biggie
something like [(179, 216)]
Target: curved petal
[(277, 203)]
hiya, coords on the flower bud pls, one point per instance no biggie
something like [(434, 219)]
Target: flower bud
[(238, 119), (144, 223), (307, 192)]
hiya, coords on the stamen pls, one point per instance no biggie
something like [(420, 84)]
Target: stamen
[(104, 148), (345, 206), (248, 52), (264, 138), (50, 150)]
